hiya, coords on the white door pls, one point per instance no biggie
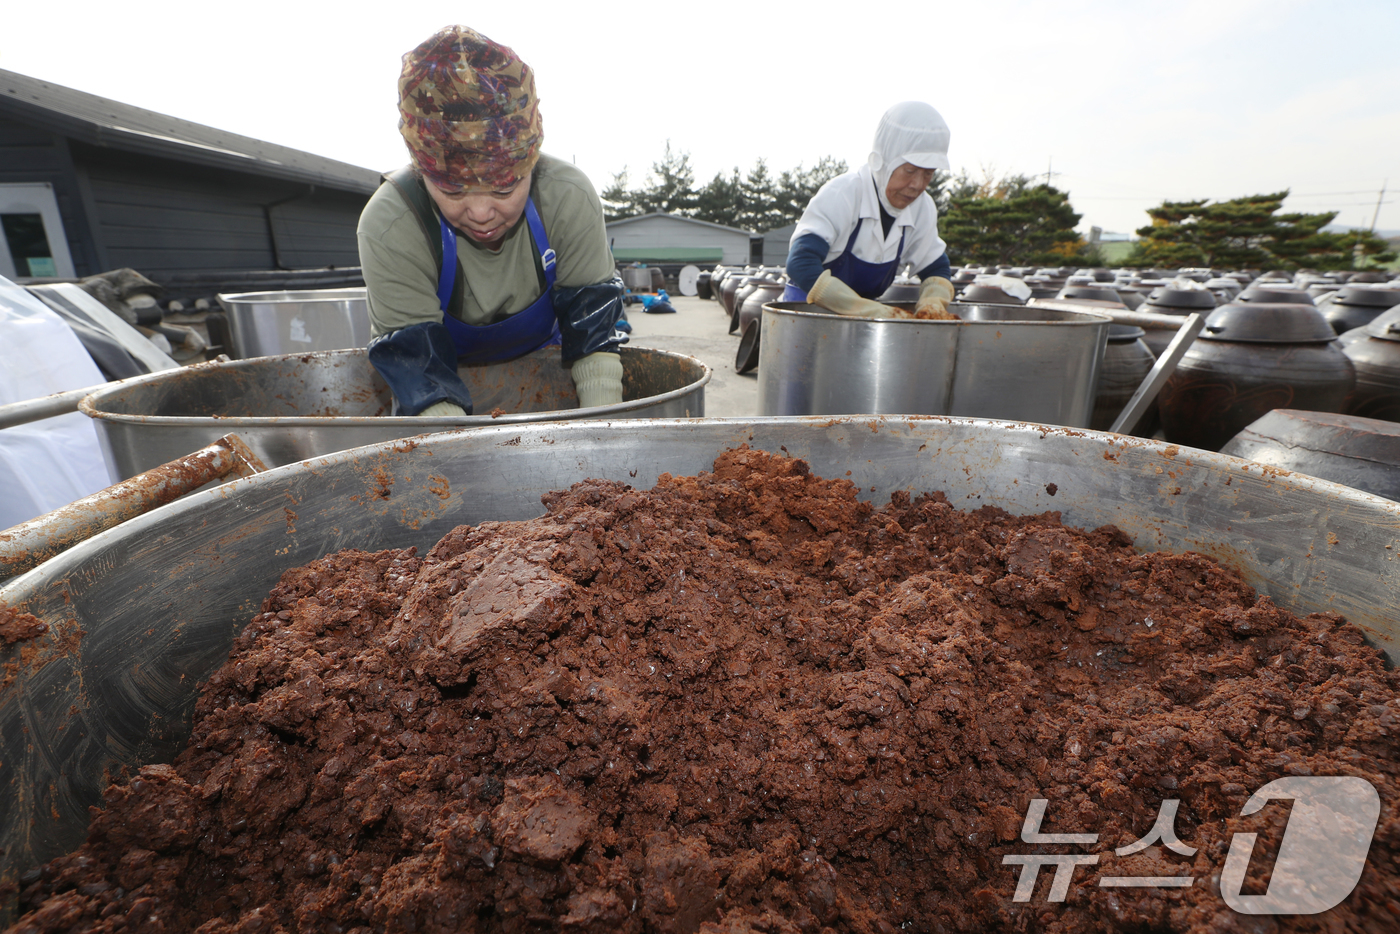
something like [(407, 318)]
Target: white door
[(32, 241)]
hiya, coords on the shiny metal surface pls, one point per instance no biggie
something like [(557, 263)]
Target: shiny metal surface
[(265, 323), (1157, 377), (1000, 361), (142, 613), (291, 407)]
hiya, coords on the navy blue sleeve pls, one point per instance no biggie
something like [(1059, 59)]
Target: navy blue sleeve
[(940, 267), (588, 318), (419, 363), (805, 258)]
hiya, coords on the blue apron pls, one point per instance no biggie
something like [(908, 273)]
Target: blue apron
[(527, 330), (869, 280)]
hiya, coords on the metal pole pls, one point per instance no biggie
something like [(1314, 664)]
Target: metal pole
[(31, 543), (1157, 378)]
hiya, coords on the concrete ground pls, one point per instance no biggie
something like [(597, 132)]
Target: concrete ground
[(700, 328)]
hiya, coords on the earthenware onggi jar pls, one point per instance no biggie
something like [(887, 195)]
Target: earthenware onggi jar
[(1248, 360), (1126, 363), (1375, 352), (1357, 306)]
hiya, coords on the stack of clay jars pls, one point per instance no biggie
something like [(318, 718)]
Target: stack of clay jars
[(1252, 357), (765, 286), (1375, 352), (726, 284), (759, 291)]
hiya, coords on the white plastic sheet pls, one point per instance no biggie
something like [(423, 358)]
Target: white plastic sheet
[(50, 463)]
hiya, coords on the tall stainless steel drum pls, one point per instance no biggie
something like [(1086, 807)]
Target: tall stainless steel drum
[(999, 361), (263, 323), (291, 407), (140, 615)]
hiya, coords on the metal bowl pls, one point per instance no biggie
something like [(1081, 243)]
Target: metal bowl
[(140, 615), (998, 361), (291, 407), (262, 323)]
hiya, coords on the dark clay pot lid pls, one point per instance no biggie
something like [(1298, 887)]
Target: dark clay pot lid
[(1385, 325), (1124, 333), (1089, 292), (899, 292), (1263, 296), (987, 295), (1370, 298), (1273, 323), (1167, 297)]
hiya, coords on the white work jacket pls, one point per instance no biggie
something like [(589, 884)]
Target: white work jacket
[(837, 206)]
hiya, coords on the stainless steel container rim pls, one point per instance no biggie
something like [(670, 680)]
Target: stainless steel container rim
[(90, 405), (1088, 317), (300, 298), (547, 435)]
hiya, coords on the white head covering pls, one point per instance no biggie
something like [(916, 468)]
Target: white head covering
[(912, 132)]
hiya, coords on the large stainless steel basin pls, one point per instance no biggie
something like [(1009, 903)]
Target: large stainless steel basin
[(264, 323), (144, 612), (291, 407), (999, 361)]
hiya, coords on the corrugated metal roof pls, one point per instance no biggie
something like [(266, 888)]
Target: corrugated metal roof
[(102, 122), (677, 217)]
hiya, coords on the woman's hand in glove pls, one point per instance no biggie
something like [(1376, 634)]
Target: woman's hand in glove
[(935, 294), (443, 409), (832, 294)]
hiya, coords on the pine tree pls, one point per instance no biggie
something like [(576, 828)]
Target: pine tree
[(1250, 233), (1008, 221), (718, 201), (670, 187)]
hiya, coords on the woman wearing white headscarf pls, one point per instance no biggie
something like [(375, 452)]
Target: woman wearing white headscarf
[(863, 225)]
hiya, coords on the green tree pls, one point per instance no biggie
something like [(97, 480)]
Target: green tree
[(669, 188), (719, 201), (618, 200), (1007, 221), (796, 187), (754, 201), (1250, 233), (758, 199)]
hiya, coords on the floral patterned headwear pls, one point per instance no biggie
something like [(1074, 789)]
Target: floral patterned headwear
[(468, 111)]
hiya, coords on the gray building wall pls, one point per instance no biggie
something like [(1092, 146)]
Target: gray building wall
[(164, 196), (159, 216), (32, 154), (775, 245), (667, 231)]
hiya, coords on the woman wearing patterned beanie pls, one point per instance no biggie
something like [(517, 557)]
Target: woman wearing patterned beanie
[(453, 274)]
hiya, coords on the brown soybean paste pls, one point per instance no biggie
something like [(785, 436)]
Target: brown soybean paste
[(743, 701)]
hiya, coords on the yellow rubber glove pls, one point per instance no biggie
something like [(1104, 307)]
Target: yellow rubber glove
[(935, 294), (444, 408), (832, 294), (598, 379)]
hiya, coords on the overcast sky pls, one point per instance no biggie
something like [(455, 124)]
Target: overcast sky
[(1126, 102)]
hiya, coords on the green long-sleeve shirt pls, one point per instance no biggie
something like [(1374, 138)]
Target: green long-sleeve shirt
[(401, 274)]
